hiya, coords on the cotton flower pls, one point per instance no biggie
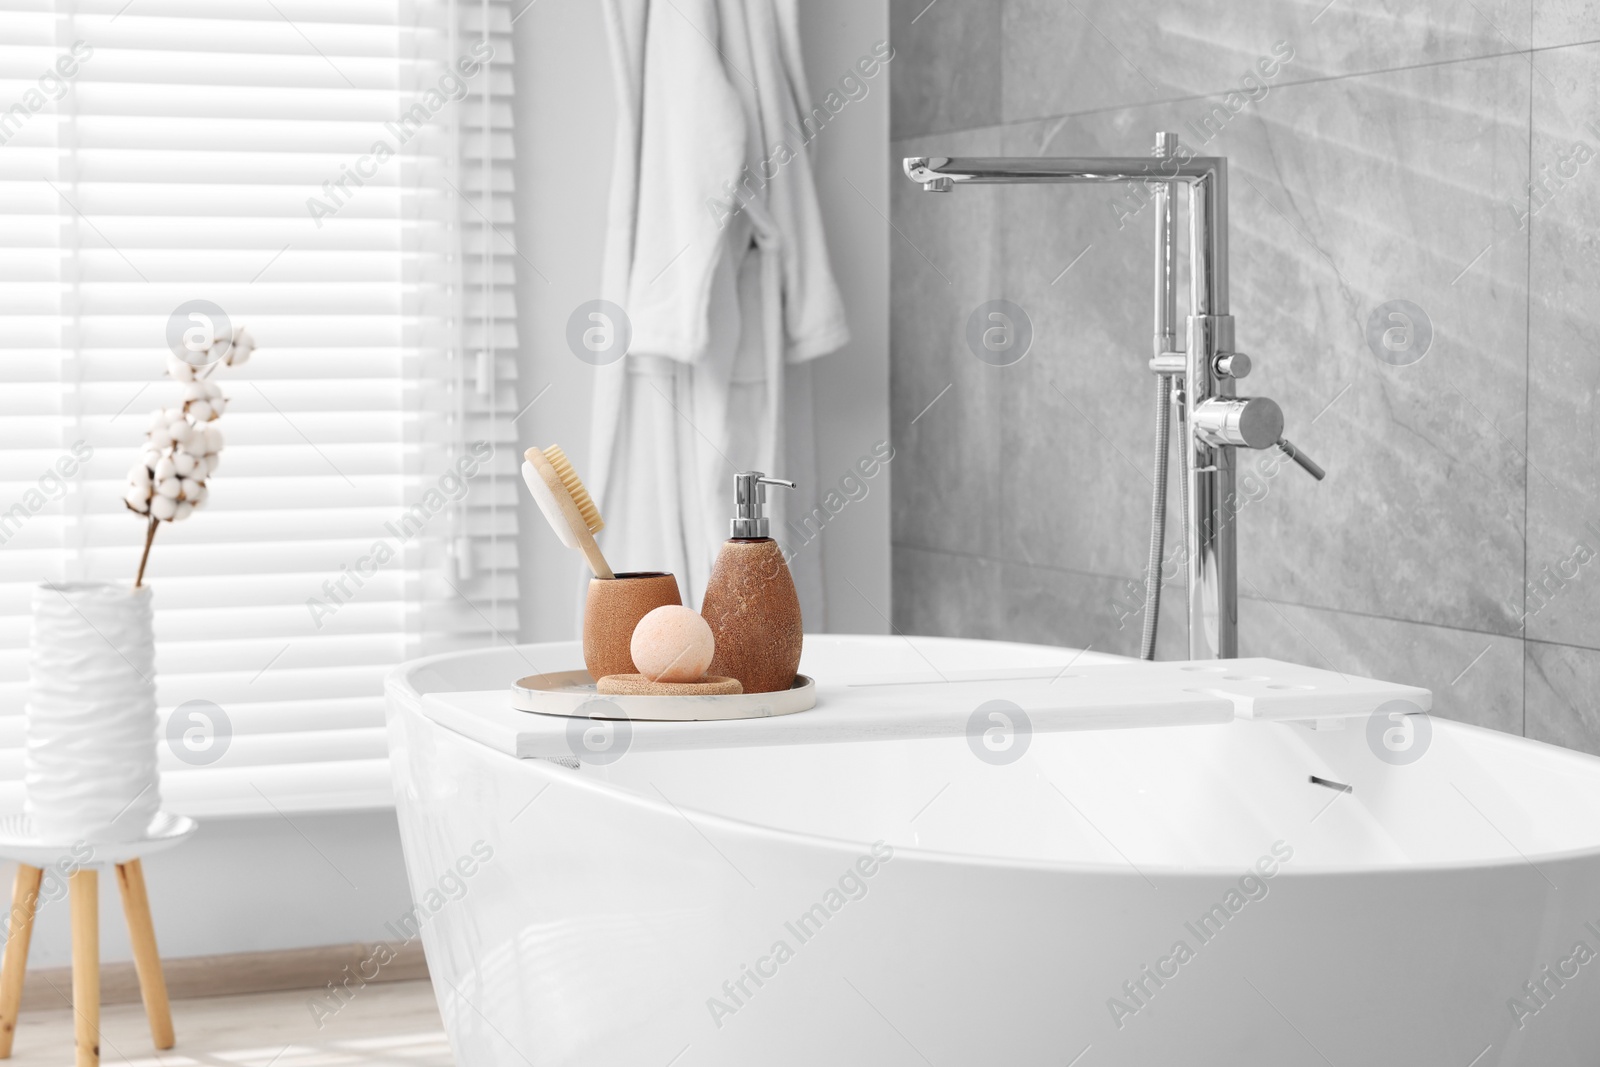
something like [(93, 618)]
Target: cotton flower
[(203, 401), (180, 370), (233, 349), (243, 344), (137, 497), (183, 444)]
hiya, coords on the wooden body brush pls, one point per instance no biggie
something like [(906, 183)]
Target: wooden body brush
[(566, 504), (616, 602)]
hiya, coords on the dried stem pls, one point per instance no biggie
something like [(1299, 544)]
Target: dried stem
[(149, 536)]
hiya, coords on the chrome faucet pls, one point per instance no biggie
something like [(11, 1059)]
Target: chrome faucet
[(1215, 421)]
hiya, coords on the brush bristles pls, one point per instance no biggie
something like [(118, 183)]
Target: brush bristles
[(574, 487)]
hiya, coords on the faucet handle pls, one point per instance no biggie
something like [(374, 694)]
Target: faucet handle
[(1231, 365), (1238, 421), (1248, 422), (1306, 463)]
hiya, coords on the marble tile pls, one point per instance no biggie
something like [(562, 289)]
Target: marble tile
[(946, 595), (1453, 481), (1563, 556), (1475, 677), (1562, 687), (946, 69), (1405, 190), (1098, 54), (944, 402), (1076, 610), (1078, 413), (1562, 22)]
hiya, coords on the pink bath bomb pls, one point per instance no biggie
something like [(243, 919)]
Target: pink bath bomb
[(672, 644)]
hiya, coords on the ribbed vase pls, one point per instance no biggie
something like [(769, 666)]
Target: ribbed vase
[(89, 760)]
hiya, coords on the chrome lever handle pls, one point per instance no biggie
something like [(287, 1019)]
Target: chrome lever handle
[(1306, 463), (1238, 421), (1248, 422)]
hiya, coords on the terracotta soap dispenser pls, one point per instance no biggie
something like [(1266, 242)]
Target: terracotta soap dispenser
[(750, 600)]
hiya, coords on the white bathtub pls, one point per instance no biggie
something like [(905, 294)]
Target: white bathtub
[(649, 911)]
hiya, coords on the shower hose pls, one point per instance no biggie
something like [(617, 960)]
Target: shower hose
[(1158, 512)]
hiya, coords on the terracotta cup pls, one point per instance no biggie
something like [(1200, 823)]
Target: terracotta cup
[(613, 608)]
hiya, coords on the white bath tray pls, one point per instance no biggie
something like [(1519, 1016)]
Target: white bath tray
[(572, 693), (1276, 691), (934, 703)]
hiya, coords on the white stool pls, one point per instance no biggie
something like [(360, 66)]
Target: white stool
[(17, 842)]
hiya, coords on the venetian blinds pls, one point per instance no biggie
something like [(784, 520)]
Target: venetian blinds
[(333, 175)]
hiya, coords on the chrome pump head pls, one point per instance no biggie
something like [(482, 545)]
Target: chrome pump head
[(750, 496)]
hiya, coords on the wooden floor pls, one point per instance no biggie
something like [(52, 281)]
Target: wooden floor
[(394, 1024)]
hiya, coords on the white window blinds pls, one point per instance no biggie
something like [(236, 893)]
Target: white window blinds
[(162, 151)]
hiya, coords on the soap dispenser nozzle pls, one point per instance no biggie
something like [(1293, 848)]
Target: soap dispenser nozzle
[(749, 497)]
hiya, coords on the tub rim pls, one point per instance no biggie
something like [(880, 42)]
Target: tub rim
[(554, 774)]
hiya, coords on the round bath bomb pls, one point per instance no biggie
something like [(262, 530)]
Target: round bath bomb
[(672, 644)]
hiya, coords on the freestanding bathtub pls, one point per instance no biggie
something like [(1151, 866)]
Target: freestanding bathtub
[(1181, 895)]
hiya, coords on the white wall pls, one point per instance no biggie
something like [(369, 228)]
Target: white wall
[(564, 121), (852, 385), (251, 884), (564, 129)]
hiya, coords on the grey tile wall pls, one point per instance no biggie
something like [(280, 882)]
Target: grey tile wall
[(1377, 152)]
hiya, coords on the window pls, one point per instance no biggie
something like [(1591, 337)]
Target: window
[(162, 151)]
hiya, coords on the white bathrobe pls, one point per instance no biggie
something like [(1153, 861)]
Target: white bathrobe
[(715, 250)]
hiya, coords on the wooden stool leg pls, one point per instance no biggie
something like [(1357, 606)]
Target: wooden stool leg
[(24, 899), (85, 888), (142, 932)]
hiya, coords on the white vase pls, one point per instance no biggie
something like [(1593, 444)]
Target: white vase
[(89, 760)]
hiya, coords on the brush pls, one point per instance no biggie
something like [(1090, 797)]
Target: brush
[(566, 504)]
